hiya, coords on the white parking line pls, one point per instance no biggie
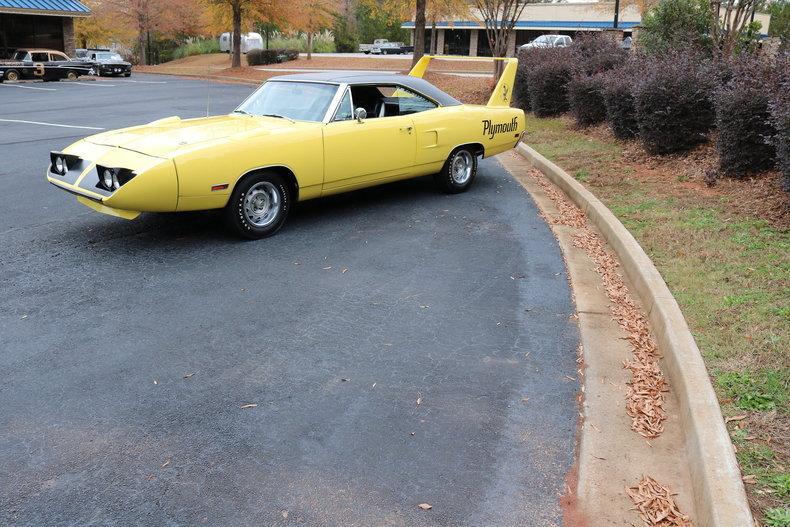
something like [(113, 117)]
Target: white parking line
[(27, 87), (51, 124), (91, 83)]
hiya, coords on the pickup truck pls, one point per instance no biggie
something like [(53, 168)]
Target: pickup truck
[(366, 48)]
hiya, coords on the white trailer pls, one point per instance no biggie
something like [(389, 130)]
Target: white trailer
[(248, 41)]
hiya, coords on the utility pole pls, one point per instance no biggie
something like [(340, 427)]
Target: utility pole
[(616, 12)]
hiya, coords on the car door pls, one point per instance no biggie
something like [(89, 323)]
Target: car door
[(380, 147), (40, 60)]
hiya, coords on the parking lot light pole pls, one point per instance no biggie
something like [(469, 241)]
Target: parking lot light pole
[(616, 13)]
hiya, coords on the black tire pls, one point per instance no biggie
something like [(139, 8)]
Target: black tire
[(127, 74), (11, 75), (455, 182), (71, 75), (263, 189)]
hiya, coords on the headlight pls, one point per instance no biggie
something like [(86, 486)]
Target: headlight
[(60, 163), (113, 178), (107, 177)]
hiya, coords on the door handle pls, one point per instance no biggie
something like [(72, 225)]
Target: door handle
[(406, 129)]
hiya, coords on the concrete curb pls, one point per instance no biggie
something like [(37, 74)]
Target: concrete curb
[(719, 496)]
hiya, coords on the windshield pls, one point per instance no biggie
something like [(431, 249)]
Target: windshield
[(108, 56), (301, 101), (20, 55), (542, 40)]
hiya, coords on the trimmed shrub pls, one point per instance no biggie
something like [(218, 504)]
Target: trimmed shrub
[(547, 81), (259, 57), (585, 97), (596, 53), (619, 102), (673, 98), (520, 91), (743, 118), (780, 118)]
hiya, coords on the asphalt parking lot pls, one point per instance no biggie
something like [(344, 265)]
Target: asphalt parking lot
[(402, 346)]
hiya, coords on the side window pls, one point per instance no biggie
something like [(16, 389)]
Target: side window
[(40, 57), (345, 111), (57, 56), (410, 102)]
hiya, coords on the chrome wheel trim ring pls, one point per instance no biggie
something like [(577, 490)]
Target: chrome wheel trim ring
[(461, 167), (261, 204)]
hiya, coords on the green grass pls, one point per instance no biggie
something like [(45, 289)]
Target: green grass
[(777, 517), (730, 273), (197, 47)]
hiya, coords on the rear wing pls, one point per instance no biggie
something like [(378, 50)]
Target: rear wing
[(503, 92)]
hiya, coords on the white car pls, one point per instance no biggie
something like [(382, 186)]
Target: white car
[(549, 41)]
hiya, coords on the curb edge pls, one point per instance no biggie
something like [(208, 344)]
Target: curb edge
[(719, 495)]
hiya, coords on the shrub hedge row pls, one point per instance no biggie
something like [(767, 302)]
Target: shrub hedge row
[(780, 118), (670, 101), (259, 57)]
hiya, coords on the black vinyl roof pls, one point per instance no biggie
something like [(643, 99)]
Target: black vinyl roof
[(366, 77)]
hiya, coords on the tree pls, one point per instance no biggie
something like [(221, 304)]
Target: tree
[(243, 12), (676, 24), (312, 16), (444, 9), (419, 31), (729, 22), (780, 21), (499, 17)]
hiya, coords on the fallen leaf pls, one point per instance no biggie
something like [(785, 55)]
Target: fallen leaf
[(156, 382), (419, 400), (750, 479), (736, 418), (165, 463), (344, 271), (249, 405), (327, 268), (285, 514), (425, 506), (345, 380), (188, 375)]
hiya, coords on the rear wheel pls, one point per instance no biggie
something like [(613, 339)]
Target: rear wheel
[(258, 206), (458, 172), (71, 75), (12, 75)]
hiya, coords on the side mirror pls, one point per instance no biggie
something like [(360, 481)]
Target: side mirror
[(360, 114)]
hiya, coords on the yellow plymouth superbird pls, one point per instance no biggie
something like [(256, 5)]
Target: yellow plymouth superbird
[(295, 138)]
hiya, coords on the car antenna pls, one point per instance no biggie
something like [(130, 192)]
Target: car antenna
[(208, 90)]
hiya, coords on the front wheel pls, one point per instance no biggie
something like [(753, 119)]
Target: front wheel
[(12, 75), (458, 172), (258, 206)]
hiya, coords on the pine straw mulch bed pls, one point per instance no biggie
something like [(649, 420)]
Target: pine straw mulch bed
[(697, 171)]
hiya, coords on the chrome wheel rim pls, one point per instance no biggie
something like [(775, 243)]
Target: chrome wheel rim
[(461, 167), (262, 204)]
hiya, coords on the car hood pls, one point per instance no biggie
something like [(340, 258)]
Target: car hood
[(167, 137)]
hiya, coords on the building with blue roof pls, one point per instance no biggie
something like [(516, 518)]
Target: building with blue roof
[(39, 24), (468, 36)]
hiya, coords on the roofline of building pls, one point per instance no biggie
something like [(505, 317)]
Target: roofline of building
[(532, 24), (43, 12)]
